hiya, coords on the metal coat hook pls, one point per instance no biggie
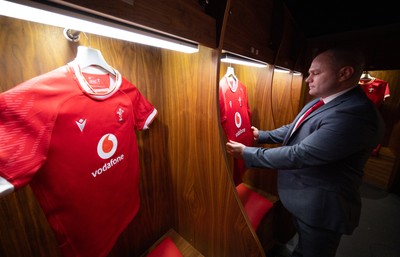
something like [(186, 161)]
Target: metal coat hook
[(74, 35)]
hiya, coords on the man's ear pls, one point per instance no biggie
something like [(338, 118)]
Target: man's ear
[(345, 73)]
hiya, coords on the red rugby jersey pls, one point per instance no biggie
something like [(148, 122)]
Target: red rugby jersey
[(71, 136), (235, 117), (376, 90)]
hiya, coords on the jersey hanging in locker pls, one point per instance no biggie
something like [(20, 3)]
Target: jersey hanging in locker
[(235, 117), (71, 136)]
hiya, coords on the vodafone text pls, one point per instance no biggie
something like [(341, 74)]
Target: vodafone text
[(241, 131), (108, 165)]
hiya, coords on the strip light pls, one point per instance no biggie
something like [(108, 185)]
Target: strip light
[(281, 69), (231, 58), (31, 11)]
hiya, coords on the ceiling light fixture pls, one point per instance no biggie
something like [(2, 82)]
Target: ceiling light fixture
[(236, 59), (50, 15), (281, 69)]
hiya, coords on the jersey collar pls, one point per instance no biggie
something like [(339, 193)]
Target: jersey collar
[(85, 86)]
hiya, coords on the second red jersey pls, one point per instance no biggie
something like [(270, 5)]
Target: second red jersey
[(376, 90), (235, 117)]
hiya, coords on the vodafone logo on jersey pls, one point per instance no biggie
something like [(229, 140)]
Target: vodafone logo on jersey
[(107, 146), (238, 120)]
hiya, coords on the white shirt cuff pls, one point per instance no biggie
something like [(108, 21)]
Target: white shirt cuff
[(5, 187)]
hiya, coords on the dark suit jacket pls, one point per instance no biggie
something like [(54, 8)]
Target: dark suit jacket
[(321, 164)]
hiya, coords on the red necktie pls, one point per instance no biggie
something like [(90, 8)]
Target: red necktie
[(313, 108)]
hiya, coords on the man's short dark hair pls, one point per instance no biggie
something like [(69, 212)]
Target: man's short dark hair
[(349, 56)]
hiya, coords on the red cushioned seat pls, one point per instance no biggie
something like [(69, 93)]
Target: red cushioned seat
[(166, 248), (255, 205)]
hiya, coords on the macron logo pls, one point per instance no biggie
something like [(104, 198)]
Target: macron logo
[(81, 124)]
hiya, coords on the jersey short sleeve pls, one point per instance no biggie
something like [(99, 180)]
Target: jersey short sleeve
[(144, 111), (25, 127)]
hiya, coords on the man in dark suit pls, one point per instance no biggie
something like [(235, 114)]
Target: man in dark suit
[(320, 163)]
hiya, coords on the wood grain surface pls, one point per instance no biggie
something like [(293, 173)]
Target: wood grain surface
[(184, 181), (274, 99)]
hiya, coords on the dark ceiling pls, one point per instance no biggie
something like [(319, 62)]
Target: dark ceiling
[(320, 18), (372, 26)]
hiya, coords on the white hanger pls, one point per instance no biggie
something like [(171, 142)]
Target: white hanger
[(366, 76), (230, 72), (87, 56), (231, 78)]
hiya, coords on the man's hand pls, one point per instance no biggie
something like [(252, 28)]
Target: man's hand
[(255, 133), (235, 149)]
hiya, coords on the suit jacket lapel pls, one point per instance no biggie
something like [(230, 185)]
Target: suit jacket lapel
[(338, 100), (305, 108)]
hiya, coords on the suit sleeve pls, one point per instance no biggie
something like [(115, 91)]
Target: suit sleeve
[(275, 136), (338, 136)]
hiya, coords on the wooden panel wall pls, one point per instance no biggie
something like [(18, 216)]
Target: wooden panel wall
[(184, 182), (282, 110), (274, 99), (296, 90), (243, 37), (208, 212)]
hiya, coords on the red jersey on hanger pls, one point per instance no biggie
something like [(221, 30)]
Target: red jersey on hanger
[(376, 90), (235, 118), (72, 137)]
